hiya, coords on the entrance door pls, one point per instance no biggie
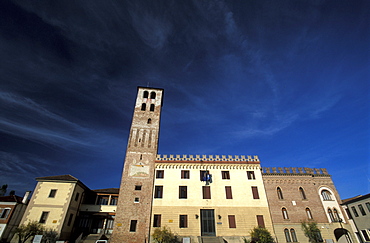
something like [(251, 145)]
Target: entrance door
[(207, 219)]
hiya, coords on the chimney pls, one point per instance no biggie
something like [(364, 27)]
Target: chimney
[(25, 198)]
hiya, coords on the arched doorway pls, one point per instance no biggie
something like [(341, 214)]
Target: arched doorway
[(342, 235)]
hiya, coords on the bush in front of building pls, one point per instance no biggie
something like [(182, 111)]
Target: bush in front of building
[(164, 235), (259, 235)]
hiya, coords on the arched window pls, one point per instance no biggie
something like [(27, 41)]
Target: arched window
[(152, 95), (303, 195), (143, 106), (279, 193), (285, 213), (336, 215), (152, 107), (294, 236), (326, 195), (146, 94), (287, 235), (149, 121), (309, 214), (331, 216)]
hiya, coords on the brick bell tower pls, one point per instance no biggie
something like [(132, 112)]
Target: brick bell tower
[(132, 221)]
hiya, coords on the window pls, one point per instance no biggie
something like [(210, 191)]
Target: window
[(250, 175), (183, 192), (368, 206), (225, 175), (229, 194), (146, 94), (354, 211), (103, 200), (77, 196), (255, 192), (366, 236), (43, 217), (138, 188), (53, 192), (206, 192), (151, 107), (183, 221), (143, 106), (348, 213), (309, 214), (4, 213), (287, 235), (159, 174), (158, 192), (70, 219), (260, 221), (294, 236), (232, 223), (331, 216), (157, 220), (136, 200), (279, 193), (361, 209), (303, 195), (185, 174), (326, 195), (336, 215), (113, 200), (152, 95), (133, 224), (149, 121), (285, 213)]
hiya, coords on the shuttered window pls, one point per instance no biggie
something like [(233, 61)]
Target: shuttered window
[(229, 194), (158, 191), (232, 223), (183, 192), (206, 192), (255, 192), (251, 175), (183, 221), (225, 175), (185, 174), (260, 221), (157, 220), (159, 174)]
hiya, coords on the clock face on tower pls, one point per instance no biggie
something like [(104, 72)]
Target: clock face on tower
[(139, 169)]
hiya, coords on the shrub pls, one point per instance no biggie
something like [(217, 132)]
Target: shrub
[(164, 235)]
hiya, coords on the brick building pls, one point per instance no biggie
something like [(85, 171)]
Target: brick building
[(303, 194), (213, 198), (154, 191)]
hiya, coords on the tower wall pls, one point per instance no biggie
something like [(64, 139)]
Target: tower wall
[(136, 189)]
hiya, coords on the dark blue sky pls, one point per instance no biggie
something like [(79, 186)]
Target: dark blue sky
[(285, 80)]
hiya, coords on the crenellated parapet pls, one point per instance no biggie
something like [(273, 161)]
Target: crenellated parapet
[(207, 158), (294, 171), (207, 166)]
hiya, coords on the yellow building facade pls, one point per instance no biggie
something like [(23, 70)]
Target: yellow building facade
[(209, 196), (55, 203)]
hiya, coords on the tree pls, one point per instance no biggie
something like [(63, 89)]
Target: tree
[(3, 189), (49, 236), (311, 231), (164, 235), (261, 235), (24, 232)]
